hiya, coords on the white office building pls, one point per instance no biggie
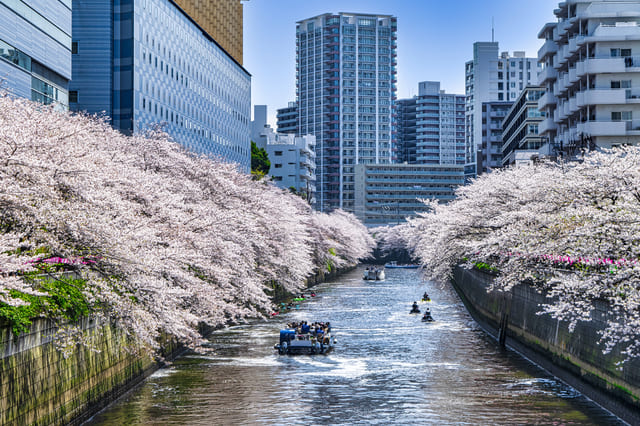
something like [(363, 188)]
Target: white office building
[(591, 60), (491, 76)]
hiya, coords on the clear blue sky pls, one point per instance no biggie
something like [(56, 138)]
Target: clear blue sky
[(435, 38)]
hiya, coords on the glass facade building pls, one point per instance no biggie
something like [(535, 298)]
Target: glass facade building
[(520, 127), (147, 63), (35, 49), (346, 75)]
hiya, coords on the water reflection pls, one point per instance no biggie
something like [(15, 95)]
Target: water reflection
[(388, 368)]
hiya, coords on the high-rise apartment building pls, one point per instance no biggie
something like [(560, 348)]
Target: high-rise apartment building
[(148, 63), (35, 49), (346, 75), (221, 19), (591, 74), (489, 77), (431, 127), (489, 155), (287, 118)]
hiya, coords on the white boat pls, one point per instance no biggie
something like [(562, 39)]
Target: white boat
[(373, 274), (396, 265)]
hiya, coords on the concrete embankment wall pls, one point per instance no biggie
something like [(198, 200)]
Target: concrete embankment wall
[(39, 386), (574, 357)]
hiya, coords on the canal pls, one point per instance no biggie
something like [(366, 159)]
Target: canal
[(387, 368)]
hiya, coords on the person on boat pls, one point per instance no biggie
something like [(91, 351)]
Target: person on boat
[(415, 308), (305, 328), (425, 296)]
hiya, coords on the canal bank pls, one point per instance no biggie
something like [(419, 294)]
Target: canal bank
[(573, 357), (41, 385)]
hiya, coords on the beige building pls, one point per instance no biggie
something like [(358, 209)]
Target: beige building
[(222, 19)]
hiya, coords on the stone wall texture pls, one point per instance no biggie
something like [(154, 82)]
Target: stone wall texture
[(39, 386), (575, 357)]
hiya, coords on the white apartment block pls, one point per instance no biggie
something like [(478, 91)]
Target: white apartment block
[(346, 75), (591, 60), (293, 161), (491, 76)]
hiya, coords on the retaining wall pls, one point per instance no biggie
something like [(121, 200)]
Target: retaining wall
[(574, 357), (39, 386)]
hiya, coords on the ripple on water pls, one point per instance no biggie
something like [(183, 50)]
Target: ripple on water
[(388, 368)]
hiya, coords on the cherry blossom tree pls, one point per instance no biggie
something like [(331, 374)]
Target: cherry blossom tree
[(571, 229), (164, 239)]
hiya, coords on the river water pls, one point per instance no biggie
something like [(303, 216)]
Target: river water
[(387, 368)]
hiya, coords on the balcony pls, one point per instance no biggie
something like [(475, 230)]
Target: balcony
[(602, 65), (546, 125), (573, 106), (549, 73), (548, 48), (547, 99), (607, 128), (603, 97)]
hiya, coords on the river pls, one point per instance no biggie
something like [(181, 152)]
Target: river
[(387, 368)]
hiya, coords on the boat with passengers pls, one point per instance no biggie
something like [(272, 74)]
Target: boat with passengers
[(373, 274), (305, 339)]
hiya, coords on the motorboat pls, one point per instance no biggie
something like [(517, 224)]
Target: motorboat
[(395, 265), (373, 274), (303, 342)]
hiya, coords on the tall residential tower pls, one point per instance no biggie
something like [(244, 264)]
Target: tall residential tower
[(431, 127), (346, 75)]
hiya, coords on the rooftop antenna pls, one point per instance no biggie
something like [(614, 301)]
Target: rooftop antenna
[(492, 30)]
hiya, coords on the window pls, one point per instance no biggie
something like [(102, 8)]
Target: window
[(621, 115), (278, 153), (620, 84), (74, 47), (73, 96), (620, 52), (277, 166)]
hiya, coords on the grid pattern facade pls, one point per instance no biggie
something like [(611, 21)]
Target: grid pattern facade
[(490, 152), (391, 193), (431, 127), (221, 19), (346, 75), (521, 124), (35, 49), (591, 60), (491, 77), (198, 94), (287, 119)]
